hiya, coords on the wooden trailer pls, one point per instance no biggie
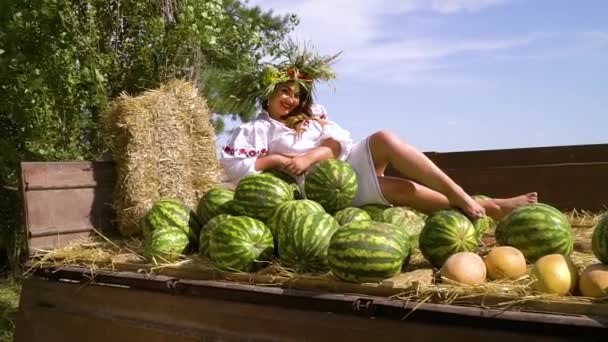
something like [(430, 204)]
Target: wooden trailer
[(64, 201)]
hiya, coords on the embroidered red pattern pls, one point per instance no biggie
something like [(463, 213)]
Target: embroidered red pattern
[(244, 152)]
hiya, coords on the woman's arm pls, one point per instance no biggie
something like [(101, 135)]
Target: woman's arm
[(329, 149), (272, 161)]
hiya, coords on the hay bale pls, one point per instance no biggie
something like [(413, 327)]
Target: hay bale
[(163, 143)]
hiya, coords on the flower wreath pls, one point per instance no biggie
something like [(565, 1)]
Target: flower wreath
[(244, 88)]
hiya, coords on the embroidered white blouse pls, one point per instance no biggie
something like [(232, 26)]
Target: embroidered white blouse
[(265, 135)]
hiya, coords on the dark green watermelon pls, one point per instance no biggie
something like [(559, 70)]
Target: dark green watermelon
[(445, 233), (303, 244), (205, 235), (216, 201), (241, 244), (599, 241), (351, 214), (171, 212), (366, 251), (332, 183), (536, 230), (259, 194)]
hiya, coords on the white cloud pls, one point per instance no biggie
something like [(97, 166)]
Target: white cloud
[(372, 50), (356, 28), (565, 44)]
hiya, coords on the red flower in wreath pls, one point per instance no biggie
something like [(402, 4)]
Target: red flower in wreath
[(295, 74)]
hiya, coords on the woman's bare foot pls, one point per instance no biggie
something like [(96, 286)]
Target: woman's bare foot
[(497, 208), (471, 208)]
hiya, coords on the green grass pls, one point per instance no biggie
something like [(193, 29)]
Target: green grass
[(9, 301)]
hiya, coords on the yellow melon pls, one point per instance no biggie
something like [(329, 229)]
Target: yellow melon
[(505, 262), (555, 274), (593, 281), (465, 268)]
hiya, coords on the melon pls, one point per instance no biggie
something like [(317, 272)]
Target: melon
[(555, 274), (505, 262), (464, 268), (593, 281)]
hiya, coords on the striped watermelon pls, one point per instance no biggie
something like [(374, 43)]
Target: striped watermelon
[(216, 201), (351, 214), (599, 241), (170, 212), (165, 245), (366, 251), (286, 213), (375, 210), (407, 219), (536, 230), (205, 234), (303, 244), (297, 193), (484, 224), (332, 183), (241, 243), (259, 194), (446, 232), (399, 232)]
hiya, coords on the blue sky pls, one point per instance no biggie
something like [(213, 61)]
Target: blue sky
[(463, 74)]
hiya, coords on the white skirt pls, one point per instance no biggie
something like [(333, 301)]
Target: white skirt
[(369, 191)]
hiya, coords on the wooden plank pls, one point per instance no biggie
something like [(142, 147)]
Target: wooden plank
[(41, 175), (64, 201), (95, 308), (65, 209), (567, 186), (46, 243), (521, 156), (579, 186), (302, 282), (130, 274)]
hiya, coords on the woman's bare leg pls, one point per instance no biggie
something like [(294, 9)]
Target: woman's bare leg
[(404, 192), (386, 148)]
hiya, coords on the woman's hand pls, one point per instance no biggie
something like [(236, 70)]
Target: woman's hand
[(299, 164)]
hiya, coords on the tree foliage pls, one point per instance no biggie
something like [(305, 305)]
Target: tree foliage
[(63, 61)]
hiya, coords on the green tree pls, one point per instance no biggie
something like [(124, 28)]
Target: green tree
[(63, 61)]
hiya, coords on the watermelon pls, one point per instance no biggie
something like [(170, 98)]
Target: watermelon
[(483, 224), (407, 219), (216, 201), (599, 241), (165, 245), (375, 210), (332, 183), (366, 251), (205, 234), (402, 234), (286, 213), (170, 212), (241, 244), (257, 195), (445, 233), (303, 244), (287, 178), (536, 230), (351, 214)]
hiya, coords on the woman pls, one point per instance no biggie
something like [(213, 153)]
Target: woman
[(291, 133)]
